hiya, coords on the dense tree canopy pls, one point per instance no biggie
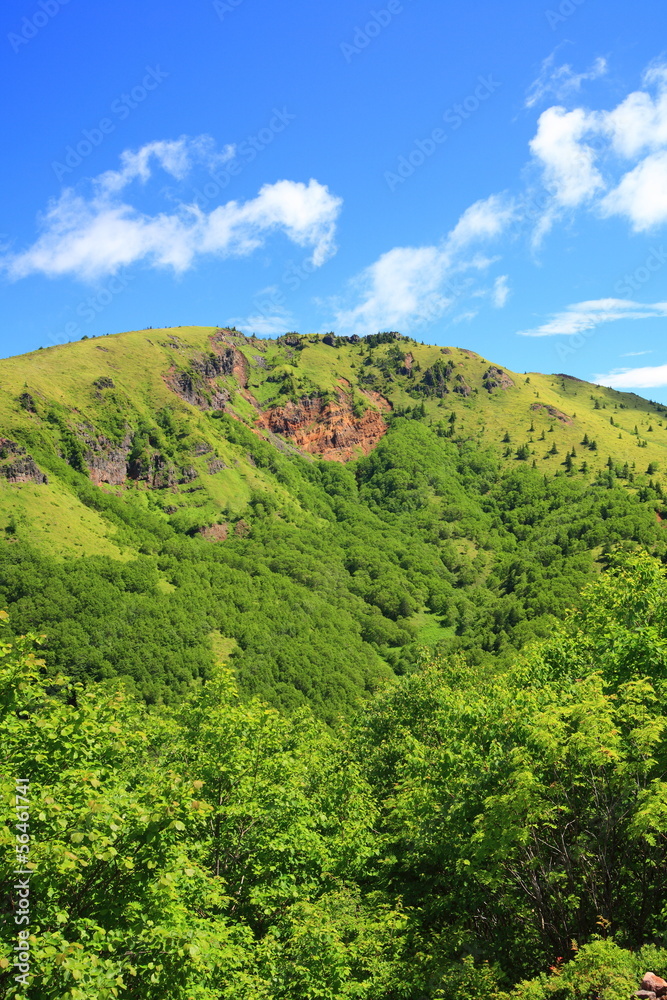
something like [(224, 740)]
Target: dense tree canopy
[(497, 827), (323, 596)]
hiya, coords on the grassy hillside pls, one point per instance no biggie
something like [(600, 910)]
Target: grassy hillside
[(163, 498), (51, 401)]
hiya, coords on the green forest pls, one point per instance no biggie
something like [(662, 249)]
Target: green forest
[(496, 829), (330, 669), (325, 600)]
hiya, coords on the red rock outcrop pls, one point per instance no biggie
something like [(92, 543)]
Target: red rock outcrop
[(327, 429), (654, 984)]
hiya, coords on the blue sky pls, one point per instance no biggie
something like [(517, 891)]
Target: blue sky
[(488, 175)]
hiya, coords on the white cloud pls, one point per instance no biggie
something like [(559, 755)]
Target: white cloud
[(560, 81), (641, 194), (501, 291), (485, 219), (568, 163), (634, 378), (264, 325), (584, 316), (88, 238), (465, 317), (271, 316), (639, 123), (409, 286), (402, 287), (569, 147), (635, 354), (174, 156)]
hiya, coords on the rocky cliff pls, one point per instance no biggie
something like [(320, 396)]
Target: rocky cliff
[(328, 429)]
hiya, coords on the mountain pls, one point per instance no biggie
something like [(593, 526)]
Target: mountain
[(315, 508)]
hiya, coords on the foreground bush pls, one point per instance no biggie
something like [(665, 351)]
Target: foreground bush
[(475, 832)]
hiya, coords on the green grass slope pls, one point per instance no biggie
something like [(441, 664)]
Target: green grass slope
[(541, 418), (163, 498)]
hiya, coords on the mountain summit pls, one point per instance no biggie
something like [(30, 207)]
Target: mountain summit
[(315, 509)]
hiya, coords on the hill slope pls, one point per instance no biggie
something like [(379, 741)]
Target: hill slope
[(163, 501)]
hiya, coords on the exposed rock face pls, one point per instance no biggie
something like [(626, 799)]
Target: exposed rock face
[(156, 470), (496, 378), (197, 392), (379, 400), (199, 385), (239, 365), (214, 365), (654, 984), (327, 429), (216, 532), (26, 402), (461, 386), (110, 462), (23, 470), (406, 367), (21, 467), (553, 412), (106, 461), (217, 465)]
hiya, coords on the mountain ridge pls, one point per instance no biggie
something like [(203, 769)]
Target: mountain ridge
[(164, 502), (90, 402)]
